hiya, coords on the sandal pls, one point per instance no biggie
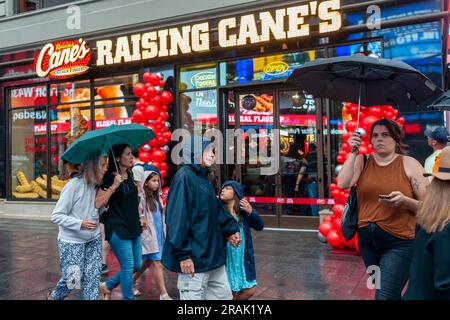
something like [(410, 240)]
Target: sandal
[(105, 294)]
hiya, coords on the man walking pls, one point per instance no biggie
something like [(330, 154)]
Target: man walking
[(197, 226), (437, 140)]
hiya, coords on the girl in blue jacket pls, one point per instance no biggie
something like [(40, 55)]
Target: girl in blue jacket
[(240, 265)]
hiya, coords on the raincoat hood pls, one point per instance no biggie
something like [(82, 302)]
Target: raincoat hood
[(193, 150), (145, 176), (237, 187)]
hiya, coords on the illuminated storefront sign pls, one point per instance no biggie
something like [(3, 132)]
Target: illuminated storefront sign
[(204, 79), (276, 68), (63, 59), (284, 23)]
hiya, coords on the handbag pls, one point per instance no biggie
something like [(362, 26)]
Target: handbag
[(349, 225)]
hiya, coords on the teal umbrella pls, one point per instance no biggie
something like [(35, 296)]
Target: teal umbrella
[(134, 135)]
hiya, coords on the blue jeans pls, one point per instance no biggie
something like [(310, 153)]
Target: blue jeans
[(391, 254), (311, 188), (129, 254)]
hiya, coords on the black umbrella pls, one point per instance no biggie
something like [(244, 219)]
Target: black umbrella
[(442, 103), (364, 80)]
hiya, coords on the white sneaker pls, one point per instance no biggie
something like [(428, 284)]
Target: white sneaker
[(165, 296)]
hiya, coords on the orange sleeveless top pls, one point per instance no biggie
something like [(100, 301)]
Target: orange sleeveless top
[(376, 180)]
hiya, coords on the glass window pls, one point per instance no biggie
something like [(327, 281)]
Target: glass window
[(28, 96), (199, 108), (70, 92), (114, 89), (28, 153), (119, 114), (198, 77), (264, 68)]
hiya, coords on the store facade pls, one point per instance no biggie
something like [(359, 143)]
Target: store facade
[(226, 73)]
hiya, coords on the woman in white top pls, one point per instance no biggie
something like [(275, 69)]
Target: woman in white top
[(79, 239)]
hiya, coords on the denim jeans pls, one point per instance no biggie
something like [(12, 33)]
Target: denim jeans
[(129, 254), (391, 254), (313, 193)]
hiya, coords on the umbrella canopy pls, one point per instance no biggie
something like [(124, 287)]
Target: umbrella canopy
[(364, 80), (102, 140), (442, 103)]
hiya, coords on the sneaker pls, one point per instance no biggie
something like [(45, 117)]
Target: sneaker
[(105, 269), (165, 296), (49, 295), (105, 294), (136, 291)]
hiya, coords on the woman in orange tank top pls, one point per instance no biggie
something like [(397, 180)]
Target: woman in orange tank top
[(389, 188)]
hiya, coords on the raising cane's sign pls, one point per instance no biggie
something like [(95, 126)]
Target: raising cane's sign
[(63, 59)]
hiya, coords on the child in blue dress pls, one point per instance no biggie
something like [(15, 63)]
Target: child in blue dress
[(240, 265), (152, 210)]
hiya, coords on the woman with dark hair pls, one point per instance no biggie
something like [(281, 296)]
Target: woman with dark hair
[(389, 188), (122, 222), (79, 239)]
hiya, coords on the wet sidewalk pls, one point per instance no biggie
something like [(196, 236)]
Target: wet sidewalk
[(290, 266)]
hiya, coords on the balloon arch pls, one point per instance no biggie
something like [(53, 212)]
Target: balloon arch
[(152, 111)]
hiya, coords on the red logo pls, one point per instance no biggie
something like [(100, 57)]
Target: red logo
[(63, 59)]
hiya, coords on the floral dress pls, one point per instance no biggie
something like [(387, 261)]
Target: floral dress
[(235, 264)]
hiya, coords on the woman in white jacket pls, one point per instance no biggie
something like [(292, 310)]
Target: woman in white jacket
[(79, 239)]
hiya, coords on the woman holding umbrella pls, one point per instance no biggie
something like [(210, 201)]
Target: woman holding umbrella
[(389, 188), (123, 225)]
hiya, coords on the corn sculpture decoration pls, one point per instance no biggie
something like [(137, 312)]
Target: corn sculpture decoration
[(38, 187)]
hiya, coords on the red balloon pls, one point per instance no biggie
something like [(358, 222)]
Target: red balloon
[(158, 155), (161, 141), (346, 148), (164, 166), (401, 121), (353, 110), (164, 115), (350, 243), (165, 190), (335, 194), (151, 112), (340, 159), (329, 219), (165, 108), (163, 173), (166, 97), (334, 239), (350, 126), (151, 92), (389, 115), (153, 143), (368, 121), (154, 79), (145, 156), (162, 83), (137, 116), (168, 135), (156, 101), (375, 111), (325, 228), (337, 223), (337, 210), (346, 136), (139, 89), (146, 77)]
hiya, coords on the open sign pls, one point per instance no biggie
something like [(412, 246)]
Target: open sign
[(276, 68)]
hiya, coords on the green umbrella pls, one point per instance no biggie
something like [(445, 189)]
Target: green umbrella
[(134, 135)]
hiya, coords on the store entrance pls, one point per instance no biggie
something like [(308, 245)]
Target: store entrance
[(276, 151)]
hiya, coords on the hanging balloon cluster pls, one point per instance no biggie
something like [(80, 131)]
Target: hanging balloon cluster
[(330, 228), (152, 111)]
